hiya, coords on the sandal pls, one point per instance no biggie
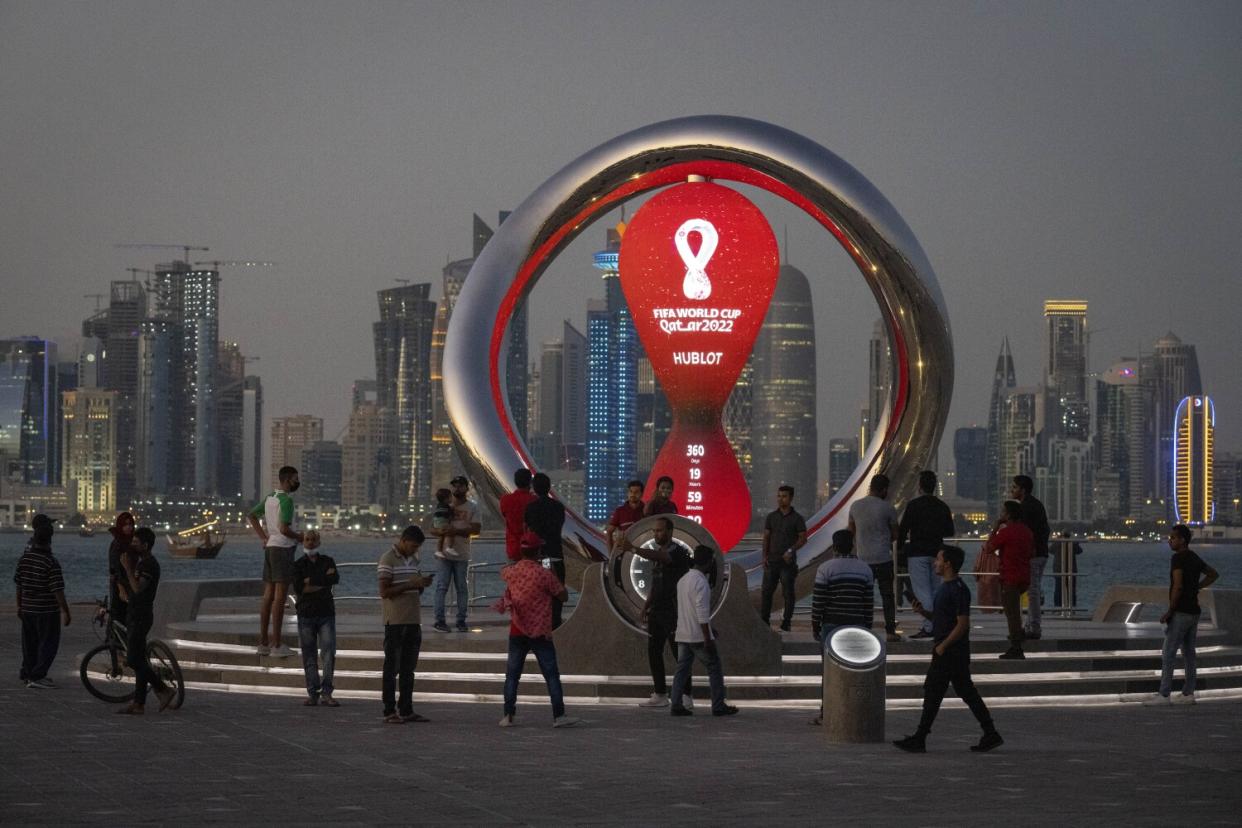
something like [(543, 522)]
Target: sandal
[(328, 701), (393, 718), (311, 702), (414, 717)]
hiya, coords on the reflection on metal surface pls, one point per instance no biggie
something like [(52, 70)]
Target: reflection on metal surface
[(722, 148), (855, 647)]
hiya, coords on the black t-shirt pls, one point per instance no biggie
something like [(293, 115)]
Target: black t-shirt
[(144, 599), (1192, 567), (783, 531), (546, 518), (664, 578), (952, 599)]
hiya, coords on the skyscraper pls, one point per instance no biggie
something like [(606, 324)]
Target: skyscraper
[(1193, 457), (365, 471), (879, 380), (320, 472), (161, 400), (89, 433), (1004, 380), (970, 456), (403, 386), (612, 350), (230, 417), (1065, 373), (842, 460), (30, 439), (290, 435), (1123, 468), (1018, 425), (118, 330), (784, 434), (573, 397), (1172, 372), (738, 419), (654, 417), (252, 439)]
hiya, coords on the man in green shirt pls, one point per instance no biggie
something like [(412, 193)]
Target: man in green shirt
[(280, 540)]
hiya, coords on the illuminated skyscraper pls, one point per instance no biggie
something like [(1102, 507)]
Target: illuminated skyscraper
[(879, 380), (403, 387), (116, 336), (230, 418), (252, 439), (1065, 372), (612, 351), (1004, 380), (738, 418), (1172, 373), (842, 460), (1193, 458), (1123, 466), (30, 438), (89, 433), (320, 472), (784, 434)]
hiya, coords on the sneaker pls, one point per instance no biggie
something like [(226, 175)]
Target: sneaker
[(440, 626), (1013, 653), (262, 650), (1184, 698), (506, 721), (1157, 700), (727, 710), (912, 744), (921, 634), (893, 637), (988, 742), (656, 700), (687, 701), (565, 721), (281, 651), (42, 684), (414, 717), (461, 628), (681, 711)]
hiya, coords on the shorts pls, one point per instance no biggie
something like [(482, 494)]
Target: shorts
[(278, 565)]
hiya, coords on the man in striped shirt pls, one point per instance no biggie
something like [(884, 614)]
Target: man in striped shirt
[(844, 593), (40, 597)]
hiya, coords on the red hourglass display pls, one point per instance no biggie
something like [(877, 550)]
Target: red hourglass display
[(699, 264)]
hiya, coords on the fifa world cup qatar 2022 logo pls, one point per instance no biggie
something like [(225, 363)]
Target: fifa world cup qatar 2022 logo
[(699, 264)]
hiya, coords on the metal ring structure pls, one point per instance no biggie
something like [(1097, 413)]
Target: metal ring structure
[(719, 147)]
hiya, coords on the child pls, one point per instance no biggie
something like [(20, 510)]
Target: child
[(442, 516)]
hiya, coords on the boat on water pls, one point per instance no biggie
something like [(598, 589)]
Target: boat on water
[(202, 541), (86, 532)]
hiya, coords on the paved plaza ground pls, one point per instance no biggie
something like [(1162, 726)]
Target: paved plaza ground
[(265, 759)]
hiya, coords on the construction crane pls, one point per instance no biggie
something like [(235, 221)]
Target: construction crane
[(185, 248), (216, 265), (98, 297)]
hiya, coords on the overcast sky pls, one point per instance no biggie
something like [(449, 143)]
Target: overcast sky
[(1037, 150)]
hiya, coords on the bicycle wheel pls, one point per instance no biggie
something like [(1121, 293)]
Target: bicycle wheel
[(105, 674), (165, 665)]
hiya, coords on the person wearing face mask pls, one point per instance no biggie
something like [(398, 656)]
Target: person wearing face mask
[(280, 540), (122, 532), (313, 577)]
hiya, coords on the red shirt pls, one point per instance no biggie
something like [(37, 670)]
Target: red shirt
[(625, 516), (530, 592), (513, 510), (655, 507), (1016, 543)]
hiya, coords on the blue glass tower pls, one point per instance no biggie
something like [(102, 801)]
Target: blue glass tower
[(612, 386)]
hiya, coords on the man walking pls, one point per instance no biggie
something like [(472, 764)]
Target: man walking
[(1188, 573), (400, 586), (142, 580), (453, 558), (529, 592), (950, 664), (670, 562), (873, 522), (546, 518), (695, 637), (40, 605), (513, 510), (313, 578), (784, 533), (925, 523), (843, 595), (279, 540), (1013, 541), (1035, 516)]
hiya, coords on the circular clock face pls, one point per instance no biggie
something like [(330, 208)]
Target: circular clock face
[(640, 569), (855, 647)]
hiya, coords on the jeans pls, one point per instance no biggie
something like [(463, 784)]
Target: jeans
[(456, 570), (40, 642), (401, 645), (952, 668), (778, 571), (545, 654), (924, 580), (1011, 603), (883, 574), (318, 637), (686, 654), (558, 569), (136, 655), (1181, 632), (661, 631), (1034, 596)]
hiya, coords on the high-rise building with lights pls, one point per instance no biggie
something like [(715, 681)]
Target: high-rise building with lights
[(842, 460), (1004, 380), (290, 435), (784, 434), (89, 435), (365, 467), (1065, 369), (1193, 457), (30, 437), (1123, 465), (1172, 373), (879, 380), (320, 472), (612, 352), (252, 439), (970, 457), (403, 387)]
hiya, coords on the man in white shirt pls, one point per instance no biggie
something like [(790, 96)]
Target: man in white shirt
[(873, 520), (695, 637)]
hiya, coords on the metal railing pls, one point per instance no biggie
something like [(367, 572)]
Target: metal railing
[(476, 572)]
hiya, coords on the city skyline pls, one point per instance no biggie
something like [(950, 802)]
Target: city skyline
[(1082, 183)]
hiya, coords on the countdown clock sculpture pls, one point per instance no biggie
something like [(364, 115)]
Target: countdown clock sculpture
[(698, 267)]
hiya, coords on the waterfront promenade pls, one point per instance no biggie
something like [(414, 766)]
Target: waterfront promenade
[(266, 759)]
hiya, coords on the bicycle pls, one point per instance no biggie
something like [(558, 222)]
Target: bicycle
[(105, 674)]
